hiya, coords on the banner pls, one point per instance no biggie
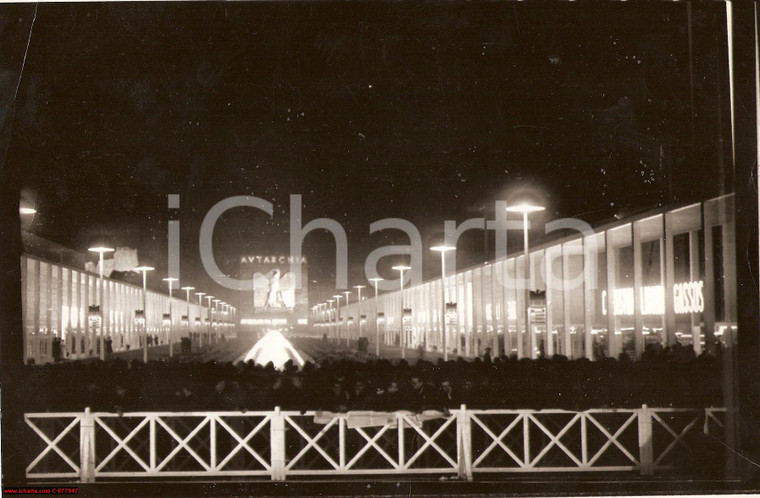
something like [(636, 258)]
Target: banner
[(407, 319)]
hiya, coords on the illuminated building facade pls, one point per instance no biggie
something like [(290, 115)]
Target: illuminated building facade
[(662, 277), (61, 314)]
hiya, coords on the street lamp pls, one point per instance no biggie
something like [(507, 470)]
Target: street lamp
[(337, 297), (200, 319), (187, 290), (526, 209), (144, 270), (401, 269), (359, 312), (101, 251), (443, 249), (348, 330), (209, 298), (375, 280), (321, 316), (329, 317), (29, 210), (216, 320), (171, 281)]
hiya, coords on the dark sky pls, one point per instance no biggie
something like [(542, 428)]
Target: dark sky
[(419, 111)]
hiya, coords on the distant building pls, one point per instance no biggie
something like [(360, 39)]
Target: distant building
[(665, 277), (276, 299)]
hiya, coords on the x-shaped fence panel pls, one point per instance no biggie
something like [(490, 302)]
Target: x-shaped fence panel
[(88, 446), (552, 440), (181, 444), (403, 443), (683, 437), (58, 445)]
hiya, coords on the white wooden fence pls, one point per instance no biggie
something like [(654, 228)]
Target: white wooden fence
[(276, 444)]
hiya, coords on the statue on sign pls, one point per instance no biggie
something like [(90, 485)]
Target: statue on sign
[(273, 291)]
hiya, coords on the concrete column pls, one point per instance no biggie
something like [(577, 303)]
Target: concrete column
[(59, 308), (694, 276), (638, 319), (709, 278), (35, 281), (24, 305), (49, 311), (566, 293), (590, 275), (670, 315), (548, 335), (612, 341)]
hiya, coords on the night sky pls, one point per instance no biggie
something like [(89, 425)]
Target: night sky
[(419, 111)]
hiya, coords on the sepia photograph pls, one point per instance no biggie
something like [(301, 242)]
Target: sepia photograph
[(379, 248)]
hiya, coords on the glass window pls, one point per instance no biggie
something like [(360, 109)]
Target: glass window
[(538, 302), (555, 301), (652, 291), (621, 246), (574, 302), (687, 293), (595, 268), (513, 318), (498, 305)]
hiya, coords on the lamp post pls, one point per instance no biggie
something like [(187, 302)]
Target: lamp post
[(401, 269), (348, 329), (216, 320), (144, 270), (171, 281), (377, 327), (200, 319), (525, 210), (187, 290), (322, 314), (209, 298), (329, 318), (359, 306), (443, 249), (101, 251), (337, 317)]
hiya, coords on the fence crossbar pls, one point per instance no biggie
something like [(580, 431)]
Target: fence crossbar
[(122, 443), (241, 442), (52, 444), (555, 440), (498, 440), (430, 441), (182, 443), (677, 438), (372, 443), (710, 414), (312, 442), (612, 439)]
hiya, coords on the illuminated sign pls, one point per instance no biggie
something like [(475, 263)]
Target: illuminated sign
[(264, 321), (275, 290), (407, 319), (537, 314), (687, 298), (272, 260), (93, 319), (451, 314)]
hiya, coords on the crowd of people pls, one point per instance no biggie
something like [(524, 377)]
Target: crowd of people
[(340, 382)]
